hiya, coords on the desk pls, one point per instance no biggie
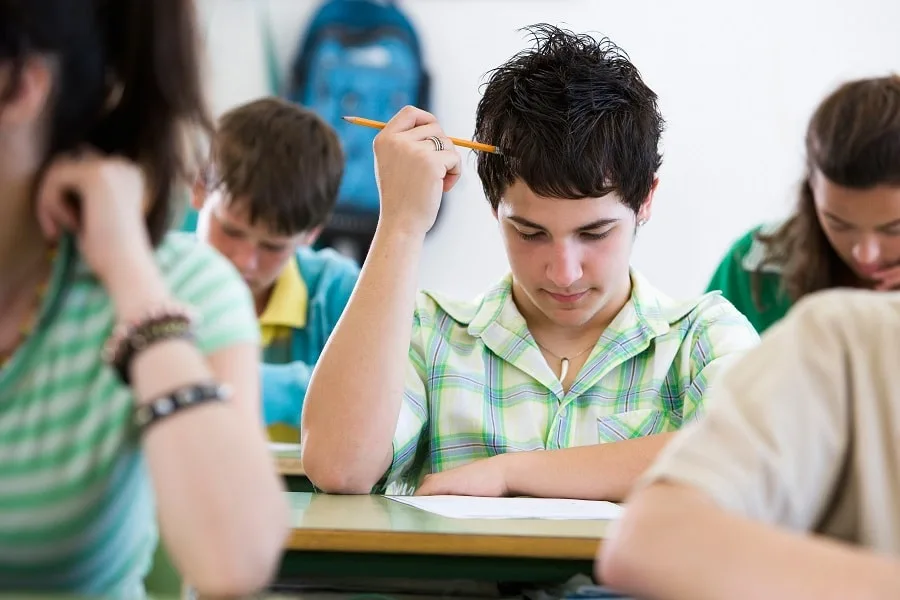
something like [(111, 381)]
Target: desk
[(287, 460), (372, 536)]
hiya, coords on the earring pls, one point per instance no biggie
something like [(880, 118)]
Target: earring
[(642, 222)]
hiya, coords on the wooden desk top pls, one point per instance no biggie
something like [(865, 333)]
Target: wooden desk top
[(375, 524), (287, 458)]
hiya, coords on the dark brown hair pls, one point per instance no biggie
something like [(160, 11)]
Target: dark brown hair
[(853, 140), (574, 120), (128, 82), (282, 160)]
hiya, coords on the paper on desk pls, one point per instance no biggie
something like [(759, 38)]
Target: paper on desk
[(472, 507), (280, 447)]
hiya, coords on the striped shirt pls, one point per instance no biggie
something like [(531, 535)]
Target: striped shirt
[(477, 384), (76, 506)]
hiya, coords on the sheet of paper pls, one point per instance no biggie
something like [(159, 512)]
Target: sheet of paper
[(281, 448), (470, 507)]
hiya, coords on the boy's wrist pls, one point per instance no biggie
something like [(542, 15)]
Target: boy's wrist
[(401, 230), (515, 467)]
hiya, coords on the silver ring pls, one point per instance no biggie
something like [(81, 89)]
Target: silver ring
[(438, 143)]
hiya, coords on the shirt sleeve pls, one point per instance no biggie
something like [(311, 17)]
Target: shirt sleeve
[(772, 444), (409, 444), (283, 391), (721, 337), (200, 277)]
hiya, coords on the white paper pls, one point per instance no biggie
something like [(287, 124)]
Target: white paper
[(473, 507), (278, 447)]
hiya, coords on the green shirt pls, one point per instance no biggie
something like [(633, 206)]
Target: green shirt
[(77, 512), (477, 385), (734, 278)]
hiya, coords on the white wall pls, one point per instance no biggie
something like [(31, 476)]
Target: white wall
[(737, 81)]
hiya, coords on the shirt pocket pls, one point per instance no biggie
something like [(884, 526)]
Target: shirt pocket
[(631, 424)]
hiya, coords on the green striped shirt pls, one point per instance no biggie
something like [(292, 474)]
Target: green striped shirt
[(76, 505), (477, 384)]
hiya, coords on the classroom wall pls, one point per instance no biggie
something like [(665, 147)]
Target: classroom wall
[(737, 81)]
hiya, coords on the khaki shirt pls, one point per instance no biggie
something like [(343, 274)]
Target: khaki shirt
[(804, 432)]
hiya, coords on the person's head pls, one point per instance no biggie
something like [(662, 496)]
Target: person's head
[(579, 132), (270, 186), (846, 226), (120, 76)]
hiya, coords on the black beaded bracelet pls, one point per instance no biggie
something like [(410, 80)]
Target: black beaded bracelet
[(147, 335), (147, 414)]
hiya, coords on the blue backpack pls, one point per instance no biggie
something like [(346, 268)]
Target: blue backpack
[(358, 58)]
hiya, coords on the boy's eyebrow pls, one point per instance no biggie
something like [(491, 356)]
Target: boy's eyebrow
[(890, 224), (586, 227), (525, 222), (598, 224)]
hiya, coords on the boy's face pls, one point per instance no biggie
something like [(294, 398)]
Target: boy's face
[(257, 253), (569, 258)]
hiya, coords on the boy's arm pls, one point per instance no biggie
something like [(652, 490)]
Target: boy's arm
[(674, 543), (283, 391), (354, 400), (770, 452)]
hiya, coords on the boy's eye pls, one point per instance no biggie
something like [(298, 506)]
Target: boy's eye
[(593, 236), (529, 236)]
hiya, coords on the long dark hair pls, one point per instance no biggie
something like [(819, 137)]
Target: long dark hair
[(128, 82), (853, 139)]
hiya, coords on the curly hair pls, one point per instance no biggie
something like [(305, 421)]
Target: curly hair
[(853, 140), (574, 120)]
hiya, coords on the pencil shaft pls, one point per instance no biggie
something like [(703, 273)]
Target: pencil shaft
[(456, 141)]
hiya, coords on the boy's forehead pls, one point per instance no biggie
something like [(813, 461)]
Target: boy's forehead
[(236, 213), (520, 201)]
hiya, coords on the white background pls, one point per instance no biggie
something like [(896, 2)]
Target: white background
[(737, 81)]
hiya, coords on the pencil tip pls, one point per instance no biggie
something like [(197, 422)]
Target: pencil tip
[(348, 119)]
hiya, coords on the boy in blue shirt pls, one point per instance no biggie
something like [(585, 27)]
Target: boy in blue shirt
[(267, 192)]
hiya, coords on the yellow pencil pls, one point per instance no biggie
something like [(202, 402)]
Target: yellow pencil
[(456, 141)]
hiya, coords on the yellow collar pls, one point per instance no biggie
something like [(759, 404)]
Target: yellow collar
[(288, 302)]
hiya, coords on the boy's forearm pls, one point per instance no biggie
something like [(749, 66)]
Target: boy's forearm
[(353, 401), (674, 543), (597, 472)]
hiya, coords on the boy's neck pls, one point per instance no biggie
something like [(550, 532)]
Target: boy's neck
[(261, 301)]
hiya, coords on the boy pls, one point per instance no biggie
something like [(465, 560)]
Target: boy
[(803, 437), (268, 191), (539, 386)]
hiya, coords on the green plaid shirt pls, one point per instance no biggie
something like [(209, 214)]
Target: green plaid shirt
[(477, 385)]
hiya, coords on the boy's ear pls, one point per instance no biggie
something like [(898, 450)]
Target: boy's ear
[(647, 207), (198, 194), (308, 238)]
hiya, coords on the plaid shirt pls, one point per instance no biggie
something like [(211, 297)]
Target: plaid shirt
[(477, 385)]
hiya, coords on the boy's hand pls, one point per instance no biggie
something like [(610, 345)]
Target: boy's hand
[(411, 173), (485, 478)]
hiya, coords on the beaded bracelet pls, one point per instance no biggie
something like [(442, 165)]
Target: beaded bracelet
[(129, 339), (145, 415)]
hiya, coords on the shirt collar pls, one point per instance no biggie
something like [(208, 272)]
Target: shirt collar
[(647, 306), (287, 306)]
